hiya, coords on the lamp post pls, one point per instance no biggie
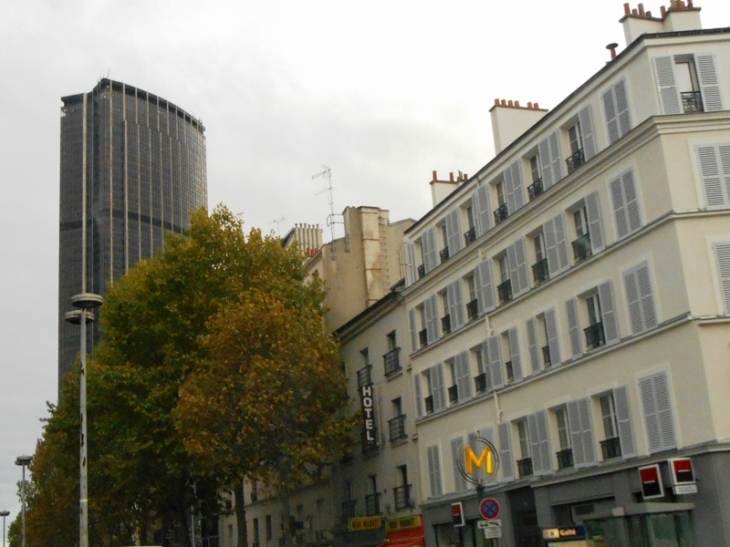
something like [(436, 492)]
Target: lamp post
[(4, 514), (84, 302), (22, 461)]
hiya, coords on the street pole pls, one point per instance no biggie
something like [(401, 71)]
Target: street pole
[(22, 461), (4, 514)]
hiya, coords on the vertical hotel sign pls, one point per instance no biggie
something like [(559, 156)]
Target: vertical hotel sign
[(369, 437)]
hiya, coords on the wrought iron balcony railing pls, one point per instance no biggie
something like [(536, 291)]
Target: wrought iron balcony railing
[(595, 337), (372, 504), (510, 372), (504, 291), (444, 254), (611, 448), (423, 337), (446, 324), (540, 272), (480, 382), (546, 360), (391, 360), (397, 428), (576, 160), (501, 213), (470, 235), (429, 404), (453, 394), (565, 458), (402, 495), (472, 309), (524, 467), (363, 376), (421, 271), (348, 509), (535, 189), (582, 248), (692, 101)]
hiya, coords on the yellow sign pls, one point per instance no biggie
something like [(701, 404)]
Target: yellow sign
[(485, 459), (403, 522), (480, 462), (364, 523)]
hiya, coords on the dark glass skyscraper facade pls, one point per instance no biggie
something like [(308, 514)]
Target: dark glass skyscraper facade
[(133, 166)]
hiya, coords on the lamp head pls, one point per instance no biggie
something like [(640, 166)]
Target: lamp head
[(23, 460)]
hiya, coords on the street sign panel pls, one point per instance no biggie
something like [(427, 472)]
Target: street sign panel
[(489, 508), (493, 529)]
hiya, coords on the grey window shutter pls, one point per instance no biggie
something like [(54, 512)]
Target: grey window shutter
[(619, 208), (484, 213), (460, 483), (518, 274), (414, 330), (543, 150), (585, 119), (410, 258), (487, 433), (574, 328), (514, 349), (513, 185), (486, 367), (709, 83), (609, 108), (556, 246), (715, 167), (505, 452), (722, 253), (437, 387), (608, 311), (595, 229), (539, 443), (586, 424), (623, 417), (434, 471), (622, 107), (640, 299), (456, 307), (453, 232), (657, 412), (551, 327), (628, 184), (534, 444), (432, 320), (556, 158), (428, 243), (419, 398), (463, 376), (532, 343), (668, 92), (494, 358), (485, 292), (576, 436)]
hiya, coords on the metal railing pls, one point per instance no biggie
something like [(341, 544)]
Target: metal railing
[(565, 458), (372, 504), (595, 337), (524, 467), (446, 324), (692, 101), (480, 382), (510, 372), (582, 248), (423, 337), (391, 361), (470, 235), (444, 254), (429, 404), (402, 495), (611, 448), (363, 376), (535, 189), (540, 271), (501, 213), (504, 291), (472, 309), (546, 356), (397, 428), (575, 160), (453, 394), (421, 271)]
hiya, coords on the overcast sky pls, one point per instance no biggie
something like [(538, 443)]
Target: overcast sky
[(382, 92)]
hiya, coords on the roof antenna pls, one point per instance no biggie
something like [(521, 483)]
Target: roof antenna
[(331, 219), (277, 221)]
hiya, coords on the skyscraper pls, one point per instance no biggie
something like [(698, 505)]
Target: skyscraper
[(133, 166)]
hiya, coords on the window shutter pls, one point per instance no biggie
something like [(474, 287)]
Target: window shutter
[(585, 119), (494, 358), (551, 327), (595, 230), (456, 307), (640, 299), (414, 330), (722, 252), (623, 417), (657, 412), (622, 108), (437, 387), (608, 310), (505, 452), (532, 343), (483, 219), (517, 261), (715, 167), (556, 245), (486, 366), (434, 470), (708, 83), (586, 424), (428, 244), (543, 150), (463, 376), (485, 293), (609, 108), (619, 208), (453, 232), (539, 443), (575, 345), (410, 258), (432, 319), (556, 159), (532, 437), (576, 438), (625, 204), (419, 398), (513, 185), (668, 92), (514, 349), (460, 483)]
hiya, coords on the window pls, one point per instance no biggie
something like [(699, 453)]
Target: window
[(625, 204), (616, 109), (453, 391), (372, 499), (444, 252), (595, 336), (598, 313), (565, 454), (256, 538), (446, 318), (348, 503), (610, 446), (504, 289), (472, 306), (687, 83), (391, 359), (582, 243), (471, 233), (575, 138), (640, 299), (543, 341), (501, 212), (397, 424), (402, 492), (588, 232), (536, 188), (267, 524), (364, 376), (540, 271), (524, 464), (513, 367), (481, 380)]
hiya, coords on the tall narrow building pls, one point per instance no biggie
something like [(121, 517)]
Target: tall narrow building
[(133, 166)]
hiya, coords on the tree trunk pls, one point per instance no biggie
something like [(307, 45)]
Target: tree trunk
[(241, 525)]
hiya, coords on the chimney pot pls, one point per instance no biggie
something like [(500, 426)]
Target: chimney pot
[(634, 12), (690, 4), (504, 102), (509, 103), (641, 10), (536, 105), (496, 101), (451, 176), (529, 104), (648, 14), (627, 9), (663, 11), (517, 103), (434, 176)]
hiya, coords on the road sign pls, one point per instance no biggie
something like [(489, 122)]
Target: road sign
[(457, 514), (492, 528), (489, 508), (482, 524)]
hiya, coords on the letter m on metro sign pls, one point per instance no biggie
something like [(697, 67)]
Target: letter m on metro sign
[(479, 462)]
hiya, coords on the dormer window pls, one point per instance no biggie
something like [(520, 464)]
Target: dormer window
[(688, 84)]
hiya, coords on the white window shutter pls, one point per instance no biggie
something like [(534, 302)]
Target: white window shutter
[(586, 425), (463, 376), (514, 349), (438, 391), (623, 417), (640, 299), (532, 437), (533, 347), (434, 471), (483, 217), (505, 452), (410, 258), (722, 253), (543, 150), (715, 167), (517, 261), (619, 208), (595, 229), (430, 307), (456, 307), (485, 292), (622, 107), (551, 327), (414, 330), (419, 399), (628, 183), (453, 232), (494, 358), (540, 444), (608, 311), (556, 245), (576, 436), (609, 108), (556, 158), (428, 244), (460, 483), (585, 119), (709, 84), (574, 328), (657, 412), (513, 185), (668, 92)]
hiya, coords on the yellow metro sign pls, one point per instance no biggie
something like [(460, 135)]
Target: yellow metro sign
[(480, 461)]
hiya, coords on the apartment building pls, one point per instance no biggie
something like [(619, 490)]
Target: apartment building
[(570, 305)]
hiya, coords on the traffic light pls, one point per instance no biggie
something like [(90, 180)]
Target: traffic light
[(457, 514)]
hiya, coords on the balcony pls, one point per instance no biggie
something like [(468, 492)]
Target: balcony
[(348, 509), (402, 495), (504, 291), (565, 458), (480, 383), (429, 404), (582, 248), (423, 337), (472, 310), (595, 336), (363, 376), (611, 448), (692, 101), (453, 394), (575, 161), (397, 428), (444, 254), (421, 271), (372, 505), (501, 213), (510, 372), (535, 189), (391, 360), (470, 235), (524, 467), (546, 356), (540, 272), (446, 324)]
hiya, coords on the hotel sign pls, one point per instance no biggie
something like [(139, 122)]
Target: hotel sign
[(369, 437), (479, 462)]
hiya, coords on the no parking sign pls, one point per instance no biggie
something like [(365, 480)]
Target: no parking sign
[(489, 508)]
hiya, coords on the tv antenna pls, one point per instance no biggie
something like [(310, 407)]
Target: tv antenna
[(332, 218), (277, 221)]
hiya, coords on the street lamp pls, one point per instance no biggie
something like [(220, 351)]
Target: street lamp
[(4, 514), (84, 302), (22, 461)]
